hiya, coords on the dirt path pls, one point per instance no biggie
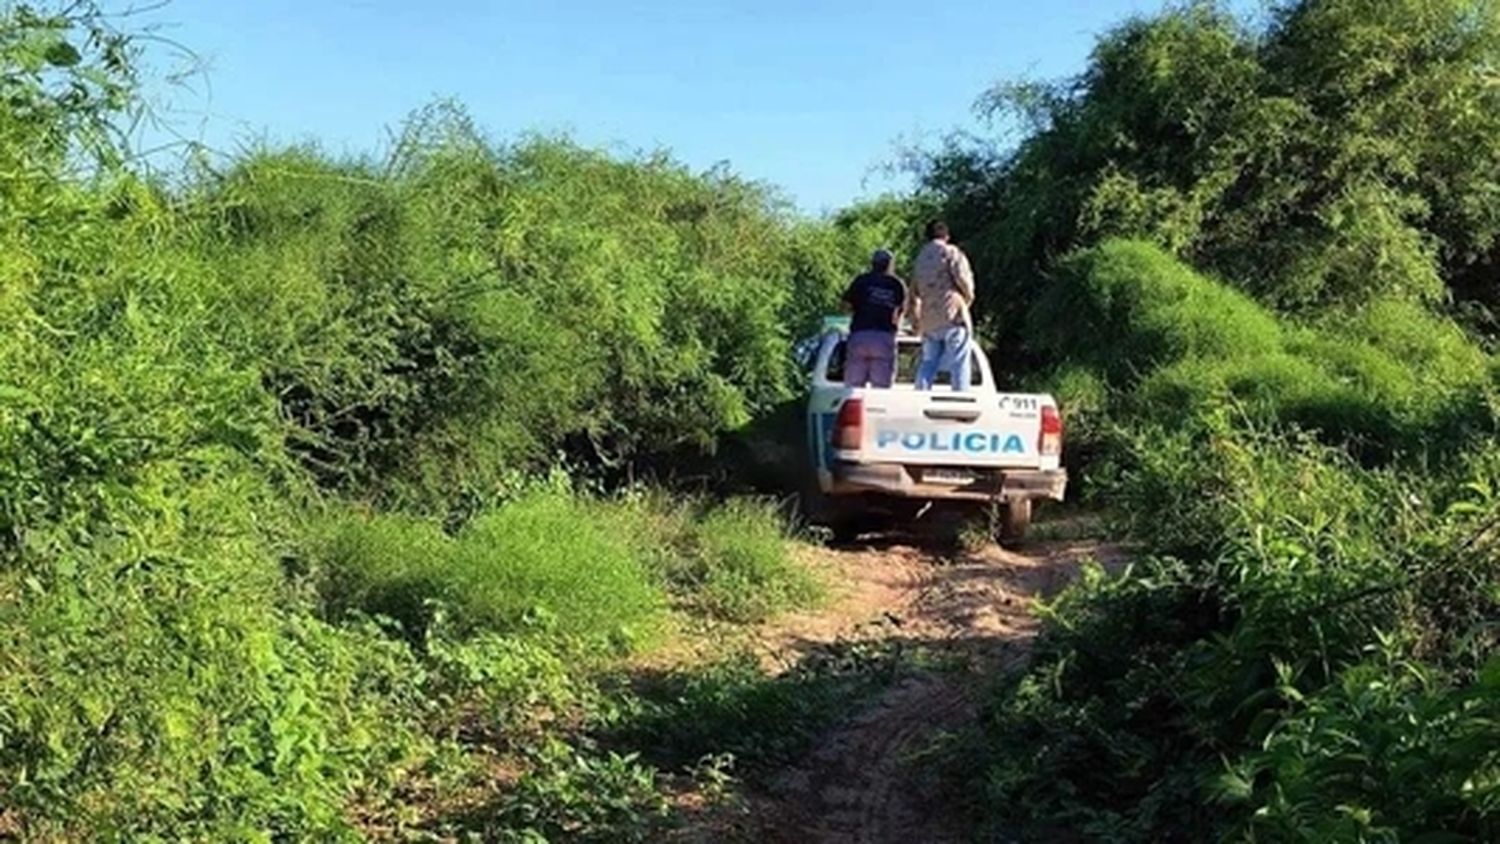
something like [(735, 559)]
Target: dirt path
[(970, 608)]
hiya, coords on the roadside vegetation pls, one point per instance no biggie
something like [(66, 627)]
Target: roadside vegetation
[(289, 549), (1257, 261)]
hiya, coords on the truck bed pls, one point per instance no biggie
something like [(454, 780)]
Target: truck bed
[(975, 444)]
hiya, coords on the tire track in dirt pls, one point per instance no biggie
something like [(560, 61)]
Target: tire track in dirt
[(859, 784)]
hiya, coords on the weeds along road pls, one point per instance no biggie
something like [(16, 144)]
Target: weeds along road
[(963, 616)]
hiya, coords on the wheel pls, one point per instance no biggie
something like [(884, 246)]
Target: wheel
[(823, 510), (845, 531), (1015, 518)]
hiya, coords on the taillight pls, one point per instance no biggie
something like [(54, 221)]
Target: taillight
[(1050, 442), (849, 427)]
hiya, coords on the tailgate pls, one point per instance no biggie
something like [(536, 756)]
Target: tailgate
[(952, 429)]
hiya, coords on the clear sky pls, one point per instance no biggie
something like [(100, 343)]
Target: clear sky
[(812, 96)]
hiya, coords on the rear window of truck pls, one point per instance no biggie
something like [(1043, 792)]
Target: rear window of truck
[(908, 355)]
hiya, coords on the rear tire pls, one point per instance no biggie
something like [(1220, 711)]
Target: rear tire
[(845, 531), (825, 511), (1015, 518)]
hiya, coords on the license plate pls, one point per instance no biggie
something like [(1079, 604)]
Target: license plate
[(947, 476)]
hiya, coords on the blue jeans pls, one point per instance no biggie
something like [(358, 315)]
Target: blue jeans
[(947, 350)]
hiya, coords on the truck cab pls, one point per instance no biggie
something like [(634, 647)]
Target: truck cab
[(898, 450)]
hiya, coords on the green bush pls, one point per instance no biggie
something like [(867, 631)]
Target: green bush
[(164, 677), (1140, 308), (1301, 477), (507, 687), (1081, 391), (729, 561), (741, 566), (1391, 378), (1243, 658), (197, 369), (1250, 652), (573, 793), (466, 309), (1303, 651), (539, 563), (1390, 751), (1327, 151), (542, 560), (386, 566)]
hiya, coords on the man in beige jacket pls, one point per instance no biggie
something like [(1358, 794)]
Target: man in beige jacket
[(942, 286)]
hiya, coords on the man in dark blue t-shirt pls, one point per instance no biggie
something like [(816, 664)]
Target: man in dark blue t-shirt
[(877, 299)]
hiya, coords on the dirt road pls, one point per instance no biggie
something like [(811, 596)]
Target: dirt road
[(971, 609)]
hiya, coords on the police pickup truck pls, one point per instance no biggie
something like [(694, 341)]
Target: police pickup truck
[(898, 452)]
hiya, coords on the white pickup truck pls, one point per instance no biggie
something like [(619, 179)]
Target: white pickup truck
[(898, 452)]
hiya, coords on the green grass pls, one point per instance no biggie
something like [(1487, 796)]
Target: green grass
[(520, 615), (729, 561), (540, 565), (739, 567), (561, 564), (542, 560)]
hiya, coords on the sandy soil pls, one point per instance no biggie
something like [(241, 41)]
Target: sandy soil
[(858, 783)]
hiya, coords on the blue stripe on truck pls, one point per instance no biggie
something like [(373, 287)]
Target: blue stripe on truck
[(819, 439)]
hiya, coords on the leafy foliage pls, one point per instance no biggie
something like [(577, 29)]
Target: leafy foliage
[(728, 561), (1342, 150), (1231, 246), (536, 563), (1387, 378), (195, 377), (1278, 674), (465, 309), (269, 569), (67, 73)]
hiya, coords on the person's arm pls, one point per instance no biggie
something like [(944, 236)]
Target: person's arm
[(846, 302), (963, 274), (902, 298)]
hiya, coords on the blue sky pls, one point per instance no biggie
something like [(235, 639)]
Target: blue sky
[(810, 96)]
